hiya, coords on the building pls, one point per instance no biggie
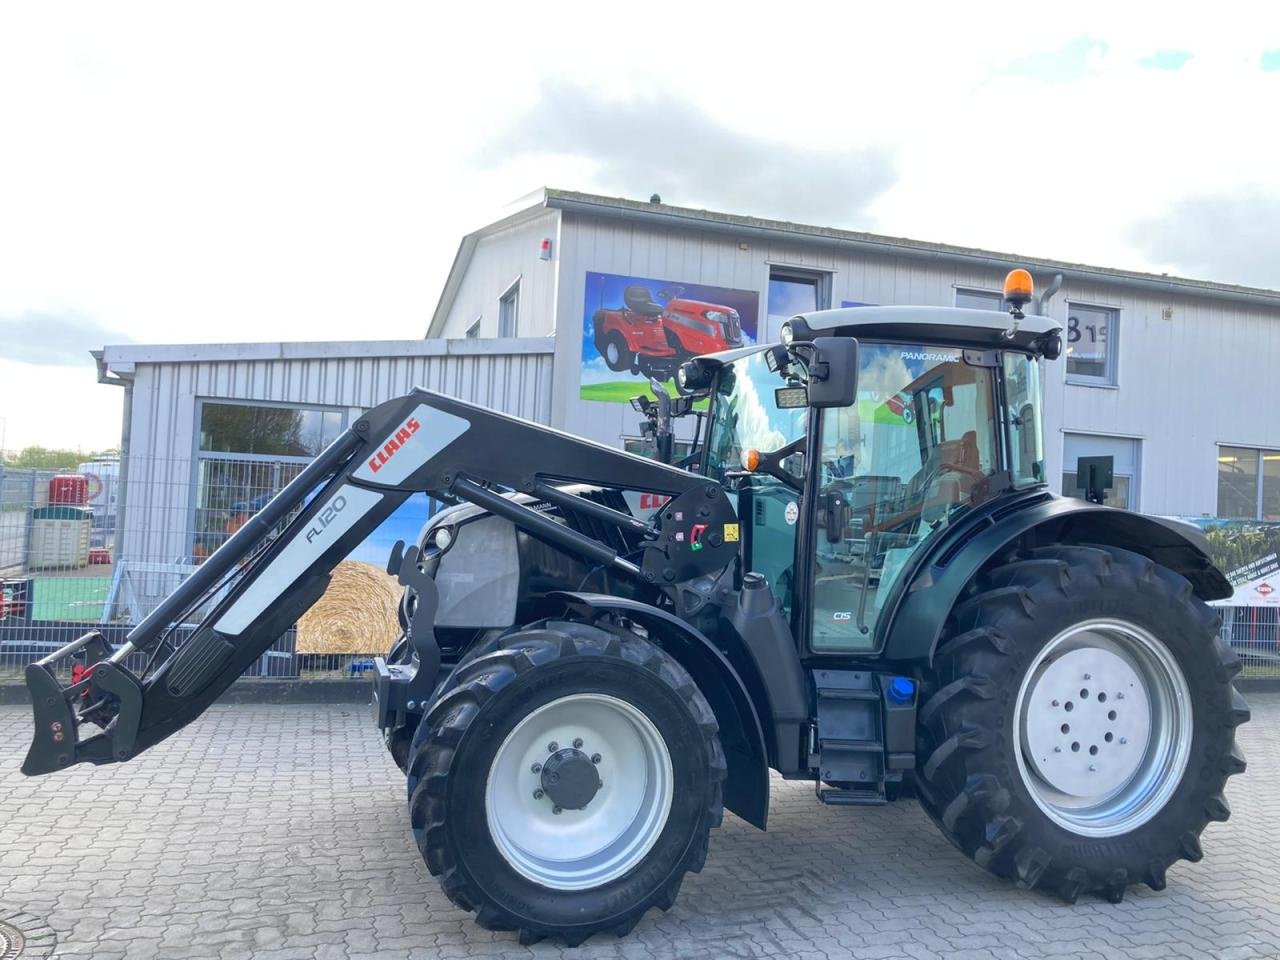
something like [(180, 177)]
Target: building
[(1161, 373)]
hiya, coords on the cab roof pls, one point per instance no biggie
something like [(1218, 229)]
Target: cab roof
[(959, 326)]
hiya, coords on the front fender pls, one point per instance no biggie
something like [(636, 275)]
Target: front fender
[(936, 583), (746, 789)]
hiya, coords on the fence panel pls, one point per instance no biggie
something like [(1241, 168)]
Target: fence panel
[(66, 570)]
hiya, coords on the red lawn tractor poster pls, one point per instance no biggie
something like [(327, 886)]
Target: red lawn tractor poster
[(637, 328)]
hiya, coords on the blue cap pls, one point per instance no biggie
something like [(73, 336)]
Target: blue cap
[(901, 690)]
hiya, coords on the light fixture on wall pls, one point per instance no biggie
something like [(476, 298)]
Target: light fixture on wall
[(544, 249)]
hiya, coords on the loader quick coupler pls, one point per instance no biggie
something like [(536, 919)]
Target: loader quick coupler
[(114, 702)]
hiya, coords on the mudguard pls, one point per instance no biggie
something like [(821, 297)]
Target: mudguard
[(931, 587), (746, 790)]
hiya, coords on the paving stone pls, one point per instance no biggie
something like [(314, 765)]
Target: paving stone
[(280, 832)]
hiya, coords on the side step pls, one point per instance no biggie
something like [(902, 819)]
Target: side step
[(865, 735)]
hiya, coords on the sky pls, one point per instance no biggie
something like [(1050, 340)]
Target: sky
[(304, 171)]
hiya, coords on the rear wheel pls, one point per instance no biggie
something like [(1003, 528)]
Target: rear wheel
[(567, 782), (1080, 726)]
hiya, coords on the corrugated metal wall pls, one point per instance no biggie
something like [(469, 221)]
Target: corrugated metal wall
[(1181, 386), (159, 495)]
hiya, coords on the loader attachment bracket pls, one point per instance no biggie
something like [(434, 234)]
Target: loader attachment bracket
[(104, 694)]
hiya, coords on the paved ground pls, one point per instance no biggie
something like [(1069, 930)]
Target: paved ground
[(279, 832)]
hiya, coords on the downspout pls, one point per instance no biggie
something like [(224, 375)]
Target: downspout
[(126, 426), (1042, 301)]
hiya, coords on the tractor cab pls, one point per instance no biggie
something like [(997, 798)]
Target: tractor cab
[(936, 417)]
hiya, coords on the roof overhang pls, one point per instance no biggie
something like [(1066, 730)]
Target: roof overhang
[(875, 245)]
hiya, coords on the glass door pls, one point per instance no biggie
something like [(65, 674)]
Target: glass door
[(909, 456)]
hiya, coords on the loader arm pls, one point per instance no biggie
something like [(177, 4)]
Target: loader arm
[(90, 706)]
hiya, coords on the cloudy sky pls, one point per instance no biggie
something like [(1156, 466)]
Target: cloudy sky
[(302, 171)]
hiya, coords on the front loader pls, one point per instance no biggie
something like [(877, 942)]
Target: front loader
[(861, 581)]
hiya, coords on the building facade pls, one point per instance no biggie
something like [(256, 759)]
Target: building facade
[(1167, 375)]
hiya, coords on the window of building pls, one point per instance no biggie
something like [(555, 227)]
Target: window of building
[(267, 431), (795, 291), (509, 311), (1126, 457), (979, 299), (1248, 483), (473, 331), (246, 454), (1091, 344)]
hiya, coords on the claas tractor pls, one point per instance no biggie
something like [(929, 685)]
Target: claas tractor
[(861, 581)]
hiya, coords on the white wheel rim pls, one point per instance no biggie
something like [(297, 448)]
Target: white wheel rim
[(1104, 726), (616, 829), (611, 352)]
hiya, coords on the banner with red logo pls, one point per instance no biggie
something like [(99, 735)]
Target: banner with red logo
[(1248, 553)]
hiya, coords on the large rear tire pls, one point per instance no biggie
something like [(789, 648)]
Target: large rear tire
[(1080, 723), (567, 782)]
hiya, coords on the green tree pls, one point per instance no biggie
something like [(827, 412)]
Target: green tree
[(48, 458)]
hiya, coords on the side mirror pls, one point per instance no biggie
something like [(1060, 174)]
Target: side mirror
[(833, 372)]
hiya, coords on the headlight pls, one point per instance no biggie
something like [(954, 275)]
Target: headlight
[(682, 377), (716, 316), (442, 537), (787, 334)]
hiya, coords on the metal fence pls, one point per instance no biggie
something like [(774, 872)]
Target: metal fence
[(67, 568)]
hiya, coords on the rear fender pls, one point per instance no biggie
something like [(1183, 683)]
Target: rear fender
[(937, 582), (746, 790)]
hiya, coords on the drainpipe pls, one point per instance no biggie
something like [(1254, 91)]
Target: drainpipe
[(1042, 301), (106, 375)]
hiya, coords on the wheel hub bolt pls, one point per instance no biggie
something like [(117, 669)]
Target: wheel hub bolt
[(1057, 749), (1054, 704), (1119, 696), (596, 758), (556, 811), (577, 743), (536, 768), (552, 747), (1092, 768), (1124, 740), (537, 794), (1088, 676)]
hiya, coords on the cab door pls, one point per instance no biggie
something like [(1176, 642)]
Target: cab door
[(906, 458)]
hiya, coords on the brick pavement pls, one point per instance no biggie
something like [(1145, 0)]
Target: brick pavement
[(280, 832)]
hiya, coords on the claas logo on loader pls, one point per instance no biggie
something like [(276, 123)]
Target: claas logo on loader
[(398, 439)]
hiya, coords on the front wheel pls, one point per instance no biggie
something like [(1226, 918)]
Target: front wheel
[(568, 782), (1081, 721)]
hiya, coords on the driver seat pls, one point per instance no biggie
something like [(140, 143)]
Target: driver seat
[(640, 300)]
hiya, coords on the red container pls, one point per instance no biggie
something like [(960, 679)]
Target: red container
[(69, 490)]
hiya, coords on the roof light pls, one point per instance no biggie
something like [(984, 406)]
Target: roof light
[(1018, 287), (786, 335)]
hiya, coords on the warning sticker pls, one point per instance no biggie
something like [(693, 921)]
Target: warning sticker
[(792, 513), (730, 533)]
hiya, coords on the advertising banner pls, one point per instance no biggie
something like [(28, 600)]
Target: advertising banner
[(634, 328), (1248, 552)]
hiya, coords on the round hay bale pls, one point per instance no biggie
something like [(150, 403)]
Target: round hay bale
[(357, 614)]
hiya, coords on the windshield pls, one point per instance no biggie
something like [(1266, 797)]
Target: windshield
[(745, 416)]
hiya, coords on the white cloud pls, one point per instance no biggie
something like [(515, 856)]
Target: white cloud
[(305, 170)]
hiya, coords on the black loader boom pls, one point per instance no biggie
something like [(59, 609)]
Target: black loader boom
[(271, 571)]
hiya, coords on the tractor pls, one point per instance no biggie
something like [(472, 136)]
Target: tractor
[(861, 580)]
